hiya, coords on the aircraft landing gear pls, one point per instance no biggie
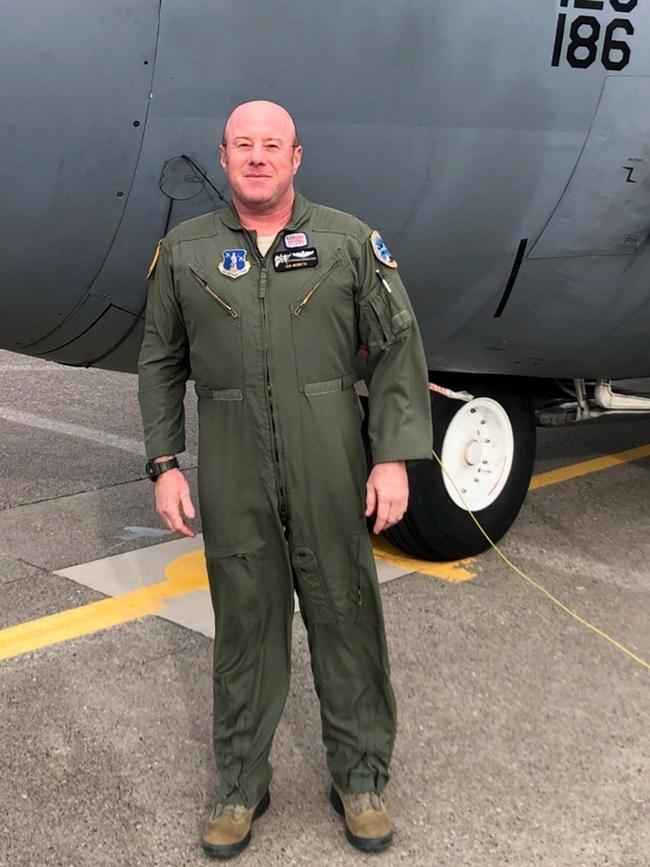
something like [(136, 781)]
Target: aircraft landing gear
[(487, 446)]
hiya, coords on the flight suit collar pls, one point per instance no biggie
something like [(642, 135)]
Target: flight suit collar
[(300, 213)]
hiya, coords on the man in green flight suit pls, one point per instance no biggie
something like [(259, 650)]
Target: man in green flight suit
[(266, 303)]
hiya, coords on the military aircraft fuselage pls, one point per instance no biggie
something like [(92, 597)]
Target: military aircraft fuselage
[(503, 150)]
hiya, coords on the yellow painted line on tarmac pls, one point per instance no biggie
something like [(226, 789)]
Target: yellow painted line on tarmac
[(455, 571), (461, 570), (188, 573), (183, 575), (584, 468)]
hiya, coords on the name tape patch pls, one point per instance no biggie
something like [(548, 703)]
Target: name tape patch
[(307, 258)]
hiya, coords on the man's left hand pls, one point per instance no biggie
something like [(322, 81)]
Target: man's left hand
[(387, 494)]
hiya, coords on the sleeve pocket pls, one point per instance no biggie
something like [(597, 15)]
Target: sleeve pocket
[(382, 320)]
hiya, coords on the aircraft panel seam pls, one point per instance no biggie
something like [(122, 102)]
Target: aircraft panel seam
[(139, 152), (575, 167)]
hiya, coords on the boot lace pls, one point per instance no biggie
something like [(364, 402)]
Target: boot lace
[(357, 802), (236, 812)]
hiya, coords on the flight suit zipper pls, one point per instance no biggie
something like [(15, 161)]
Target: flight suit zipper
[(213, 293), (314, 289), (269, 391)]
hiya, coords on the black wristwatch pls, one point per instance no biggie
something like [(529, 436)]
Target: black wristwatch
[(154, 470)]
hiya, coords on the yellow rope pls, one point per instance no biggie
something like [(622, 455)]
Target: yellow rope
[(537, 586)]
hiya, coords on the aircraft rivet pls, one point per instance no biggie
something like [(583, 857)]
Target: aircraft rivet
[(487, 441), (136, 123), (463, 490), (473, 409), (120, 194), (482, 421)]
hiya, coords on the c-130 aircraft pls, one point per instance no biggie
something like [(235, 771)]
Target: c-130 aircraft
[(502, 149)]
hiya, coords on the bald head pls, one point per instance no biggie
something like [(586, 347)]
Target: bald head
[(260, 154), (269, 115)]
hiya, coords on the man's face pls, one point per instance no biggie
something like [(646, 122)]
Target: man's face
[(260, 156)]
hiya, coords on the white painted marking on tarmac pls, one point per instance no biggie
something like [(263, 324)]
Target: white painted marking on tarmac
[(102, 438), (130, 533), (124, 573), (125, 444), (131, 570)]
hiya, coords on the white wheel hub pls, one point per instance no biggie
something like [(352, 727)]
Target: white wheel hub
[(477, 454)]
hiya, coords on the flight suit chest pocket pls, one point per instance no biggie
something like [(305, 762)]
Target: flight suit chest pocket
[(309, 291), (218, 295), (215, 325), (323, 323)]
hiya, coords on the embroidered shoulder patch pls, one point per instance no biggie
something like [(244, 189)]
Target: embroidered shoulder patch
[(381, 251), (154, 261)]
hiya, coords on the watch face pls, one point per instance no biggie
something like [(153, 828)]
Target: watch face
[(151, 472)]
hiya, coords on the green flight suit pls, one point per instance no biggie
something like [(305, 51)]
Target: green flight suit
[(282, 468)]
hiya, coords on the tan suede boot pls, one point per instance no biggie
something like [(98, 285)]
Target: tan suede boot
[(367, 823), (228, 831)]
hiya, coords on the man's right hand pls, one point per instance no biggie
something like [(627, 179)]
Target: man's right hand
[(173, 501)]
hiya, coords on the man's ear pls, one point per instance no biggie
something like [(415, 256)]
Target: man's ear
[(297, 158), (222, 157)]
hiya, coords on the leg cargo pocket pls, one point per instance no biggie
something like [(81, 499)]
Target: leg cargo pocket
[(238, 659), (364, 586), (313, 591)]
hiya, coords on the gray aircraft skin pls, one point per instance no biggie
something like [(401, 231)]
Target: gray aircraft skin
[(503, 151)]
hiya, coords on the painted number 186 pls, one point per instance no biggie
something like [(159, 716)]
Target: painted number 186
[(582, 36)]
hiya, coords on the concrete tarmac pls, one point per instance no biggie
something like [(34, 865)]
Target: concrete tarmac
[(523, 736)]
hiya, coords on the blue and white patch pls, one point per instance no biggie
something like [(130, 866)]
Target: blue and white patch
[(381, 251), (295, 240), (234, 263)]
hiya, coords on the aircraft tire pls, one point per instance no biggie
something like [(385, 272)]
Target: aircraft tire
[(435, 527)]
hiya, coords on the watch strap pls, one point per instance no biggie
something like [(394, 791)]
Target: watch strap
[(155, 469)]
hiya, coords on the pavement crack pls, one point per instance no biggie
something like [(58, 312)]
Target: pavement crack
[(22, 561), (44, 570), (69, 495)]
